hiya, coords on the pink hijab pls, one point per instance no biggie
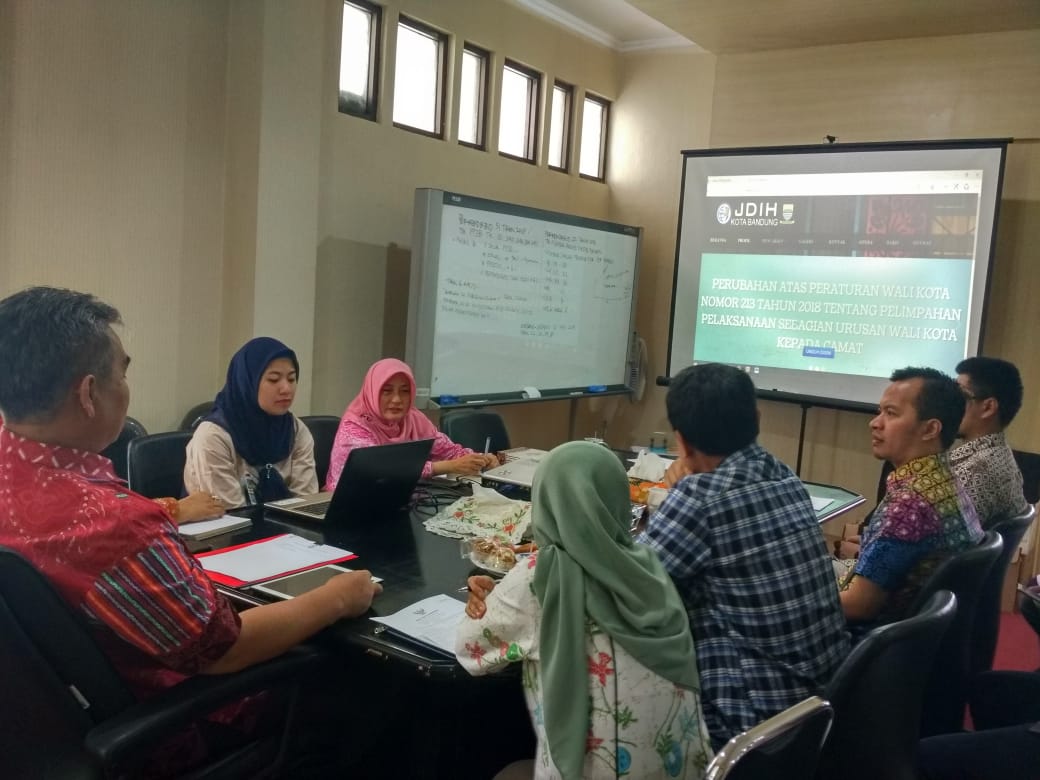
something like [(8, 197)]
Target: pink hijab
[(364, 410)]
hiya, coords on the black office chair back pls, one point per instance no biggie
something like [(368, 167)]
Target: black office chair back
[(117, 450), (784, 747), (65, 711), (472, 427), (155, 464), (987, 611), (946, 694), (1029, 465), (882, 485), (877, 696), (38, 622), (323, 428), (195, 415)]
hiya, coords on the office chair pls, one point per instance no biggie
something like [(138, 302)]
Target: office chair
[(68, 714), (987, 611), (155, 464), (323, 428), (784, 747), (472, 427), (877, 695), (1029, 465), (117, 450), (195, 415), (948, 680), (882, 485)]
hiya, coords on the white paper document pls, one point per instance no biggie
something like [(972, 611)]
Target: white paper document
[(519, 468), (819, 502), (207, 528), (432, 621), (271, 558)]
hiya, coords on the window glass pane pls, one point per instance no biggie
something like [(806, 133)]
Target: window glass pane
[(355, 55), (470, 103), (558, 127), (591, 139), (516, 107), (416, 79)]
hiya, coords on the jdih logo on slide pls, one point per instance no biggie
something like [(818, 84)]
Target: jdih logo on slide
[(759, 213)]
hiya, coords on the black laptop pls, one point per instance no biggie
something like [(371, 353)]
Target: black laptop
[(374, 480)]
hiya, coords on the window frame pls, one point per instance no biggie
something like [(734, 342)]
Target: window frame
[(568, 125), (482, 98), (533, 115), (603, 139), (444, 42), (371, 110)]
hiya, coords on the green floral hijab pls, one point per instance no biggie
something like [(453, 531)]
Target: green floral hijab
[(589, 568)]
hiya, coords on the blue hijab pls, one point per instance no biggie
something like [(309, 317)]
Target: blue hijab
[(261, 439)]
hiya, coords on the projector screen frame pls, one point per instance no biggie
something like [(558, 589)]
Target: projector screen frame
[(788, 395)]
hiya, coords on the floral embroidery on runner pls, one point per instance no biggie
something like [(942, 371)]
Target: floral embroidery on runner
[(485, 513)]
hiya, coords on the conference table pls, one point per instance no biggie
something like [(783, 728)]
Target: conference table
[(409, 686), (414, 564), (429, 717)]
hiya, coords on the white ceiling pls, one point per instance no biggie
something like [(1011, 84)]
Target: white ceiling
[(736, 26)]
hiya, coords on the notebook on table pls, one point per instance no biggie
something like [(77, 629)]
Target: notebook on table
[(374, 479)]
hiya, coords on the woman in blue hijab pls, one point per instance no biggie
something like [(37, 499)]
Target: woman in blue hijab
[(251, 447)]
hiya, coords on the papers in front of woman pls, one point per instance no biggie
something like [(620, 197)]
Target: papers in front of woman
[(432, 622)]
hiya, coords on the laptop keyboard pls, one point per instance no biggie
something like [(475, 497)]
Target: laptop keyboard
[(316, 510)]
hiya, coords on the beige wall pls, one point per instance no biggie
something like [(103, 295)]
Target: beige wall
[(664, 107), (370, 170), (112, 145)]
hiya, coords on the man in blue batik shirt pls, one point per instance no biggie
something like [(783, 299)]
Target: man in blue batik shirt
[(739, 537)]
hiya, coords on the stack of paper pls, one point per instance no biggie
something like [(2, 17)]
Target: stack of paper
[(276, 556), (204, 529), (431, 622)]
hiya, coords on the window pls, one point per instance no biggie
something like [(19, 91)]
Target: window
[(419, 77), (560, 126), (473, 96), (359, 58), (592, 163), (519, 113)]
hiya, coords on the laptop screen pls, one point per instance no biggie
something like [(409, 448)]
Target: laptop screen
[(381, 477)]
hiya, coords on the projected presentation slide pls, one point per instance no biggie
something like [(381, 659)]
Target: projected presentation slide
[(851, 273)]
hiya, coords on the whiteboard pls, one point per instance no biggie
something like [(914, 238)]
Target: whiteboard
[(505, 297)]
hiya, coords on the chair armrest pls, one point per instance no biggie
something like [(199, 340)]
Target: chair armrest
[(119, 738)]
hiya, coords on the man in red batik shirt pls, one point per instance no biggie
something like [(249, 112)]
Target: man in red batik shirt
[(113, 555)]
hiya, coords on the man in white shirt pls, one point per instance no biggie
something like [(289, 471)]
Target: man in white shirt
[(984, 462)]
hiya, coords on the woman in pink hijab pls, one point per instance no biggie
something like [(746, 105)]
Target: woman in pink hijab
[(384, 413)]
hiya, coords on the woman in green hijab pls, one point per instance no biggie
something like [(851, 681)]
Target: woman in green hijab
[(591, 606)]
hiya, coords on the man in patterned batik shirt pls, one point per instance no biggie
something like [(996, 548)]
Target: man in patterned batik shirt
[(925, 515), (984, 462), (739, 537)]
